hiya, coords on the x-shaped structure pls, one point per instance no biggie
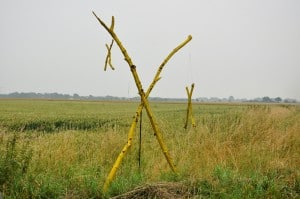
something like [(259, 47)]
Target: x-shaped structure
[(144, 104), (189, 108)]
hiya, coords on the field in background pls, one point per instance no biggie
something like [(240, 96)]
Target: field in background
[(65, 149)]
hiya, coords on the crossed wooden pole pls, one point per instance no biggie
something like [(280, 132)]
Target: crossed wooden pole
[(144, 103)]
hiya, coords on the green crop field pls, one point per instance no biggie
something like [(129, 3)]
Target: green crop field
[(65, 149)]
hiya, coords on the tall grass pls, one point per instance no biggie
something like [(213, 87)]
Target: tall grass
[(249, 151)]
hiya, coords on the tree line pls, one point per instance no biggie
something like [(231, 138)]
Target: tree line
[(33, 95)]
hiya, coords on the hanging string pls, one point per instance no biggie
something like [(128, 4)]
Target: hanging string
[(140, 140), (190, 67)]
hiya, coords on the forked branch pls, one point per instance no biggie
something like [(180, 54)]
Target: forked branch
[(115, 37), (108, 56), (189, 108), (144, 103)]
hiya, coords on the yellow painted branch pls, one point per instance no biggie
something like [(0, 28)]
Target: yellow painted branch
[(157, 131), (189, 108), (182, 44), (122, 154), (191, 112), (117, 40), (144, 103), (108, 56), (138, 112), (112, 23), (192, 89)]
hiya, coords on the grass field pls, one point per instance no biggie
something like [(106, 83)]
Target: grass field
[(65, 149)]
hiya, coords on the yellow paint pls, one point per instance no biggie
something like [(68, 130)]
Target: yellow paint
[(108, 56), (189, 108), (144, 103)]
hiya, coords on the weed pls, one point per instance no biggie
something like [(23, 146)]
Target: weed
[(14, 163)]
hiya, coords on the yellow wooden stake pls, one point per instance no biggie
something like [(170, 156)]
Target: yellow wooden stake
[(189, 108), (144, 103)]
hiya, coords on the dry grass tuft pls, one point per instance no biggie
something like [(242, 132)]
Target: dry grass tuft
[(158, 190)]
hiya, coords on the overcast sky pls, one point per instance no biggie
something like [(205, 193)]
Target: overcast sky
[(243, 48)]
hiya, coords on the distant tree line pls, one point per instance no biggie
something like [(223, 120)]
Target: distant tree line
[(33, 95), (265, 99)]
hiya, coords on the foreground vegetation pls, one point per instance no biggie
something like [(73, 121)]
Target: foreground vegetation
[(65, 149)]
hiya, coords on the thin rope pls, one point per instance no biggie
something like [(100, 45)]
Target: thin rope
[(190, 67), (140, 140)]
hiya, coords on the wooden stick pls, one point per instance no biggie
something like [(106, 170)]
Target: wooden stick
[(108, 56), (189, 108), (144, 103)]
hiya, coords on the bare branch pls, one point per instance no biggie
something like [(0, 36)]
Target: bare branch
[(144, 103), (117, 40), (112, 23), (108, 56)]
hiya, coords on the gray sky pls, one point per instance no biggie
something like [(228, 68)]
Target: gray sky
[(244, 48)]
